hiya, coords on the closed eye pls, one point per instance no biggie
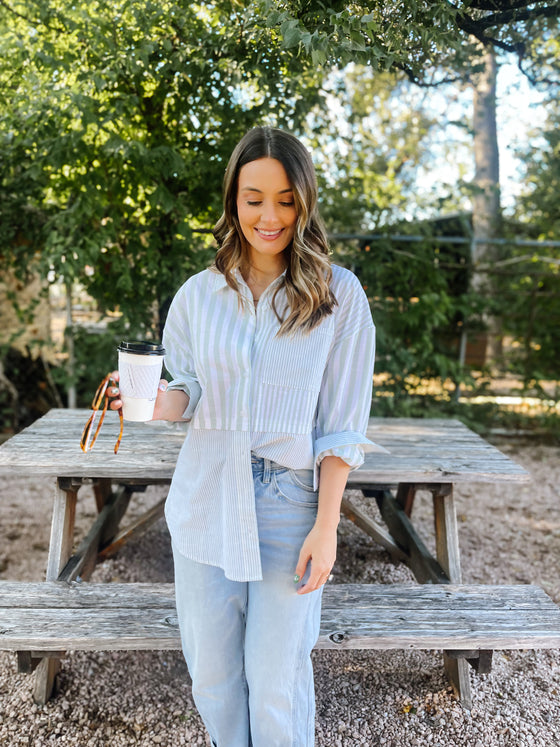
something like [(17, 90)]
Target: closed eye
[(256, 203)]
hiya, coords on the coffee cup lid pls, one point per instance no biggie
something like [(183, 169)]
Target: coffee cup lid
[(141, 347)]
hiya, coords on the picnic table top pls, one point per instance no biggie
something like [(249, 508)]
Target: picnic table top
[(420, 451)]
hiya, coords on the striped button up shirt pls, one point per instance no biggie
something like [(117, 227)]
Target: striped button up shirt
[(292, 399)]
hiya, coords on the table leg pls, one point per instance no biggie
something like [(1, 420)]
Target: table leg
[(373, 529), (102, 489), (62, 527), (406, 493), (448, 556), (447, 536), (60, 549), (417, 556)]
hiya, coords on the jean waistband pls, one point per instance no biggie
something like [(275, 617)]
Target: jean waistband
[(265, 463)]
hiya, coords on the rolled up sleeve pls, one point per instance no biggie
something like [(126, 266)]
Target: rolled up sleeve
[(178, 357)]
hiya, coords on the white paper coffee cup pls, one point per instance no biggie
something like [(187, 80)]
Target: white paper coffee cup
[(140, 365)]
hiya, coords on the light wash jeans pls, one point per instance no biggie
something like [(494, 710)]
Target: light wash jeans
[(248, 644)]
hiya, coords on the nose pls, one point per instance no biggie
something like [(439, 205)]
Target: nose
[(269, 214)]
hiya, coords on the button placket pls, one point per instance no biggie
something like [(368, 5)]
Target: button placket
[(247, 364)]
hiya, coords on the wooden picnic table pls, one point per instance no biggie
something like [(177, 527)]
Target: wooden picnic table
[(423, 454)]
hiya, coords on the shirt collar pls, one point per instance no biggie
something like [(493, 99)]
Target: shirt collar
[(220, 281)]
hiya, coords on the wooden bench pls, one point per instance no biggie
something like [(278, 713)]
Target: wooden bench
[(41, 620)]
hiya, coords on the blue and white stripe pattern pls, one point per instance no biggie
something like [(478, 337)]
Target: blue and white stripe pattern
[(291, 399)]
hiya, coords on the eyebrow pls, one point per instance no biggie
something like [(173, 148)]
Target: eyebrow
[(254, 189)]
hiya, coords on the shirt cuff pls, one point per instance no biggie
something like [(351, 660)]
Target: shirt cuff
[(352, 455), (192, 388), (348, 445)]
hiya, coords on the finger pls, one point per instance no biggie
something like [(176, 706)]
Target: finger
[(309, 587), (315, 582), (113, 393), (301, 567)]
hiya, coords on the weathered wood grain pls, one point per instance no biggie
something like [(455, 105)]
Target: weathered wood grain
[(53, 594), (447, 537), (421, 451), (55, 617), (62, 529)]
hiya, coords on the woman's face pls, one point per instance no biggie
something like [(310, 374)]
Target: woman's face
[(265, 208)]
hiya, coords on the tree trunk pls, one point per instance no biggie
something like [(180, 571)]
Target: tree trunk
[(486, 199)]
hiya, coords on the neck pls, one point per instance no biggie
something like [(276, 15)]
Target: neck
[(264, 269), (261, 273)]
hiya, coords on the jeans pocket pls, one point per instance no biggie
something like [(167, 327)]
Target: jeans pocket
[(296, 487)]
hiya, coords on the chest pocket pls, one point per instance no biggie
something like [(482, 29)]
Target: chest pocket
[(298, 361)]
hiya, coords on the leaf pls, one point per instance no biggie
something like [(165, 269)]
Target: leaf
[(318, 57), (291, 33)]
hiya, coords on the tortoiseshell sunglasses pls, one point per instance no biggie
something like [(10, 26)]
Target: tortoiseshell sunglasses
[(100, 398)]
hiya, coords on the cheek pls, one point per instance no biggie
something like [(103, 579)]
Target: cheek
[(240, 212), (293, 226), (291, 220), (244, 217)]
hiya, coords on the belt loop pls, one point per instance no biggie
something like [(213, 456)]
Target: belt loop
[(266, 470)]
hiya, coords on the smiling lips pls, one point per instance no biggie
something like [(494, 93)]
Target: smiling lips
[(269, 235)]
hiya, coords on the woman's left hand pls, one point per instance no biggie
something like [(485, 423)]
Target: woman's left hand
[(319, 549), (113, 393)]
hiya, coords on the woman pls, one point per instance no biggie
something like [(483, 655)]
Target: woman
[(271, 352)]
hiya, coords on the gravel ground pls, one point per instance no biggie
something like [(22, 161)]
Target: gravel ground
[(395, 699)]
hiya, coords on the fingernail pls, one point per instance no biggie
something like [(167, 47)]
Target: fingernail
[(114, 390), (296, 579), (163, 387)]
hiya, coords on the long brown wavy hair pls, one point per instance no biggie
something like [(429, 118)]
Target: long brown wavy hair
[(308, 272)]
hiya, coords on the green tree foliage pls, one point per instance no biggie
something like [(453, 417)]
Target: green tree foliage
[(530, 284), (539, 205), (117, 117), (115, 125), (423, 39), (419, 293), (433, 42)]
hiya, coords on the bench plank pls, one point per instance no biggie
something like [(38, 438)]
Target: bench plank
[(90, 629), (134, 595), (82, 616)]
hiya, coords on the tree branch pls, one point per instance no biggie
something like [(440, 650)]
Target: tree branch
[(413, 78), (532, 78), (500, 19), (498, 4), (471, 27), (507, 12)]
